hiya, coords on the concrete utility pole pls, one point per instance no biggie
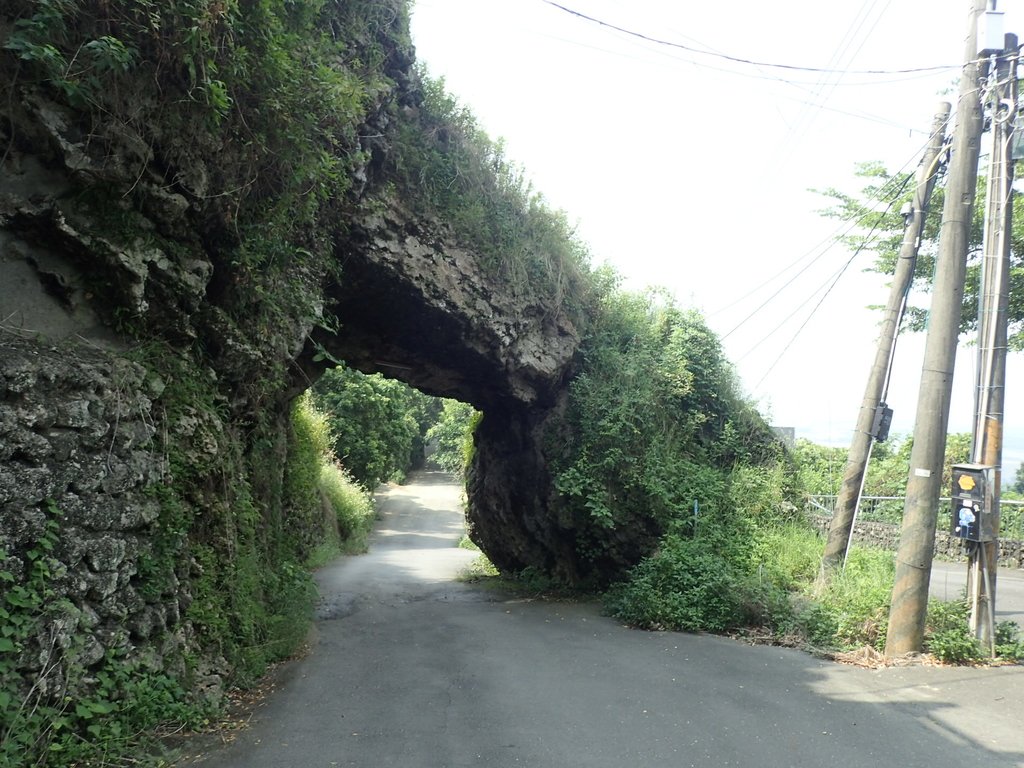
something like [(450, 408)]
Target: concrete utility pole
[(917, 536), (869, 420), (987, 442)]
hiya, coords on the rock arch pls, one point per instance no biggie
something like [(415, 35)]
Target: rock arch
[(414, 305)]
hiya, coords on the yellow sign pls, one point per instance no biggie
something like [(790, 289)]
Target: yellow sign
[(966, 482)]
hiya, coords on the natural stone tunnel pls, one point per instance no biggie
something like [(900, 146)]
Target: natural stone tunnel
[(95, 249), (415, 306), (154, 331)]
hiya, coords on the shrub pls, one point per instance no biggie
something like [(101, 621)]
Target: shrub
[(377, 423), (309, 445), (352, 506), (1009, 643), (947, 634), (788, 555), (855, 604), (453, 435), (655, 426), (682, 586)]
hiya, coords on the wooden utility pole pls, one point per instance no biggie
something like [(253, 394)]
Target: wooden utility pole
[(987, 442), (917, 536), (872, 413)]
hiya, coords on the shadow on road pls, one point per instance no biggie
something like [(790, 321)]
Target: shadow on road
[(414, 670)]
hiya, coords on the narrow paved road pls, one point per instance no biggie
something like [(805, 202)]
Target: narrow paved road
[(413, 670), (949, 580)]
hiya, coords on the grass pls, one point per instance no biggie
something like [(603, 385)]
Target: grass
[(774, 597), (353, 508)]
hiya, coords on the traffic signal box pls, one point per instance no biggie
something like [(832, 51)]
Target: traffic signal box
[(974, 513)]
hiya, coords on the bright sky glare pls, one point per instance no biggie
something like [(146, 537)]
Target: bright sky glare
[(692, 172)]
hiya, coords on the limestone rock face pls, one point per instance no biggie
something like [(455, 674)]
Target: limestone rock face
[(114, 231), (414, 306)]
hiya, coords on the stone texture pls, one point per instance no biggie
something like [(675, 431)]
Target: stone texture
[(887, 536), (112, 224), (414, 306), (61, 409)]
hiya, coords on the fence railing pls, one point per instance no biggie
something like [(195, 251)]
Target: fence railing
[(889, 509)]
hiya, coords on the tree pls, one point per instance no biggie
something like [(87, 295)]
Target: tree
[(1018, 481), (452, 435), (819, 468), (377, 424), (878, 228)]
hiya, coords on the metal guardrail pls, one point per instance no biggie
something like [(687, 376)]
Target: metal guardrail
[(889, 509)]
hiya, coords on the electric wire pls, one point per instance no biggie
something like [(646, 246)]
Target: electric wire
[(769, 77), (836, 234), (838, 276), (803, 85), (740, 59), (834, 278), (829, 243), (841, 60)]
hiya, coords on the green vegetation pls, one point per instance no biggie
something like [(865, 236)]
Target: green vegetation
[(251, 593), (66, 717), (749, 565), (251, 596), (655, 426), (352, 506), (820, 468), (876, 211), (339, 511), (452, 435), (274, 120), (448, 167), (378, 425), (771, 596)]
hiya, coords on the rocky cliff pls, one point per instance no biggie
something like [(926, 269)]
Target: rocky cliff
[(182, 251)]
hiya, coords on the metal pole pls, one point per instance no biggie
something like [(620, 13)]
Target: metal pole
[(841, 528), (917, 537)]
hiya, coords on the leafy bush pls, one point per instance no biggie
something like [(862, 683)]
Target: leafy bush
[(685, 585), (947, 633), (654, 427), (820, 468), (378, 424), (788, 555), (352, 506), (852, 610), (453, 436), (1009, 643), (66, 714), (309, 447)]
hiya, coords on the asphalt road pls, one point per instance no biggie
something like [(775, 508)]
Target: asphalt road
[(413, 670), (949, 580)]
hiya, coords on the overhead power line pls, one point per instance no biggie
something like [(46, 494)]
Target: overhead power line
[(740, 59), (829, 243), (833, 284), (817, 306)]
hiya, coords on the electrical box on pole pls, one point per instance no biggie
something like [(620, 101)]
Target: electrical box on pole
[(975, 515), (990, 32), (881, 422)]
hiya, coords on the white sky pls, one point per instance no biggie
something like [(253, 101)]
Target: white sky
[(692, 172)]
